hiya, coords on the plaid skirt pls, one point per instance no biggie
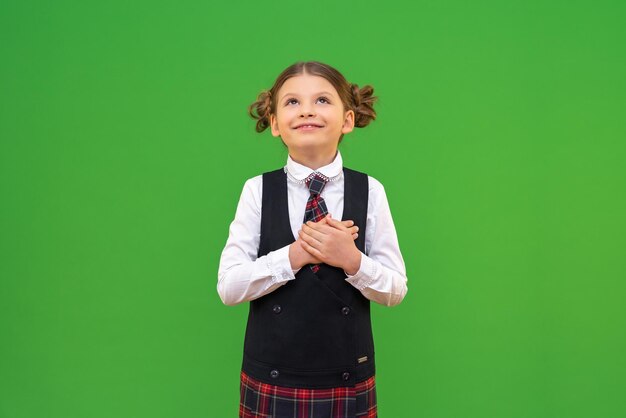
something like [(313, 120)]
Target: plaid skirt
[(262, 400)]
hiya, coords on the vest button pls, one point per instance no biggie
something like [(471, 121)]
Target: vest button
[(274, 374), (345, 376), (345, 310), (277, 309)]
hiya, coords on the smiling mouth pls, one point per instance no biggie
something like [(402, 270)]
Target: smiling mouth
[(308, 127)]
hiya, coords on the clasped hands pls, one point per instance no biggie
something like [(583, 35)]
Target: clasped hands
[(328, 241)]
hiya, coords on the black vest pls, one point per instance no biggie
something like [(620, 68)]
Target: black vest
[(315, 331)]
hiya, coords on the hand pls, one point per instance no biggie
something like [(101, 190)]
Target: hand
[(332, 243), (299, 257), (349, 225)]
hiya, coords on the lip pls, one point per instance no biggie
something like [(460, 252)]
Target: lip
[(308, 127)]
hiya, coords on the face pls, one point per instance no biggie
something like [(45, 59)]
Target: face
[(310, 116)]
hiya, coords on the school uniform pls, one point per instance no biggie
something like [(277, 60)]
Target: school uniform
[(309, 348)]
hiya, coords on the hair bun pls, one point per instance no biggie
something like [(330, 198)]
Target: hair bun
[(261, 110), (363, 99)]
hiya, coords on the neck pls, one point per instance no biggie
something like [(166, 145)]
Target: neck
[(313, 159)]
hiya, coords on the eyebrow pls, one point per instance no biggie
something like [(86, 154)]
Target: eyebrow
[(317, 94)]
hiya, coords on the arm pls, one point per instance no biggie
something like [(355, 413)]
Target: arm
[(382, 274), (241, 275)]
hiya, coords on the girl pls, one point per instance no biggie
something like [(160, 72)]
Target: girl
[(309, 277)]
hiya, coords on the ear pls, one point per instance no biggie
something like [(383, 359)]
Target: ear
[(348, 123), (274, 125)]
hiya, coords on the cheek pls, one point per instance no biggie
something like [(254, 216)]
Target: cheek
[(284, 116), (337, 121)]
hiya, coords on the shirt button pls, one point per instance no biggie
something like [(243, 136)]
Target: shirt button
[(277, 309), (345, 376), (274, 374), (345, 310)]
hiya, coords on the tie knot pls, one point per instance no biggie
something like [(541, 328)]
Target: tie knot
[(316, 183)]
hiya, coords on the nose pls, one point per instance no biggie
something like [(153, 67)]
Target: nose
[(306, 110)]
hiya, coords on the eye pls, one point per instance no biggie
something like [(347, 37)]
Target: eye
[(290, 100), (324, 99)]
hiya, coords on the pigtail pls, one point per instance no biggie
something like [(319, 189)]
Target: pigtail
[(363, 100), (261, 110)]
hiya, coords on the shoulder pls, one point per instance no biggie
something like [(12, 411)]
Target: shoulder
[(253, 187), (376, 190), (375, 185), (253, 182), (377, 195), (252, 191)]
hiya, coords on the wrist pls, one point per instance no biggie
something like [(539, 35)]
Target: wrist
[(295, 256), (353, 265)]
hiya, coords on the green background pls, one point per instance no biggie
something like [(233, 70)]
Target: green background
[(125, 143)]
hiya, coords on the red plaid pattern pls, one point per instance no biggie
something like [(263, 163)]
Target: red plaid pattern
[(315, 206), (262, 400)]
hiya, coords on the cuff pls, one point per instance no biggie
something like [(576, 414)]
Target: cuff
[(280, 266), (365, 276)]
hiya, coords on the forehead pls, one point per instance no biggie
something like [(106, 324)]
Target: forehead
[(306, 84)]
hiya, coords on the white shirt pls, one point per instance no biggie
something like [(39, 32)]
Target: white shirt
[(244, 277)]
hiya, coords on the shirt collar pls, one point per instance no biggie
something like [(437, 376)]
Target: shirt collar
[(300, 172)]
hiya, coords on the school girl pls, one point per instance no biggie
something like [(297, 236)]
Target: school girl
[(311, 245)]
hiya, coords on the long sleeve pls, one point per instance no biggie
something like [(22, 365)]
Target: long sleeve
[(382, 274), (244, 277), (241, 275)]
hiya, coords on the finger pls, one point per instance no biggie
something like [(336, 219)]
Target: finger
[(312, 250), (312, 227), (353, 229), (306, 238), (302, 246), (337, 224), (341, 226), (355, 236), (313, 234), (348, 224)]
